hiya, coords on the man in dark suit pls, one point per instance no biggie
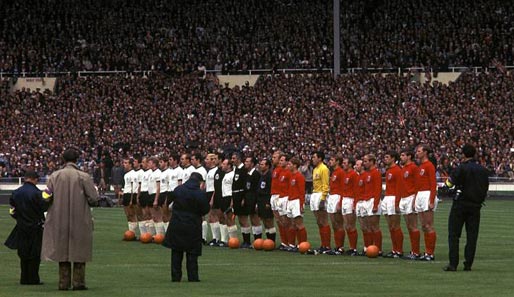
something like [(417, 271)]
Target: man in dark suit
[(184, 233), (28, 207)]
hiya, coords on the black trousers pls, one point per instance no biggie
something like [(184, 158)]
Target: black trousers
[(463, 214), (29, 271), (191, 265)]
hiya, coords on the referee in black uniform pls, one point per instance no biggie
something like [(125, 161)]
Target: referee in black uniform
[(471, 183)]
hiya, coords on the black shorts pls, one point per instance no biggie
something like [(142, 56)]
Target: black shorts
[(126, 199), (162, 198), (225, 203), (170, 198), (145, 200), (251, 203), (216, 204), (208, 196), (239, 208), (264, 207)]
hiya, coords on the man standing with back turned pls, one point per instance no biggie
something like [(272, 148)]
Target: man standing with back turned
[(471, 183), (68, 233)]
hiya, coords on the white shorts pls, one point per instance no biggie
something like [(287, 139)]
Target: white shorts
[(332, 203), (315, 200), (294, 209), (282, 205), (364, 208), (406, 205), (347, 207), (273, 201), (389, 205), (423, 201)]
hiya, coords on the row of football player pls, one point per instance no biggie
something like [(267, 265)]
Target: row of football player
[(352, 190)]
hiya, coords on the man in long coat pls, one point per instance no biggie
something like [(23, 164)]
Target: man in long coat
[(68, 233), (184, 234)]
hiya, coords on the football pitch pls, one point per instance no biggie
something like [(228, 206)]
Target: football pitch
[(133, 269)]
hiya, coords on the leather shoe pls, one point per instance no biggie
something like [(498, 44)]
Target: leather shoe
[(467, 268), (449, 268), (79, 288)]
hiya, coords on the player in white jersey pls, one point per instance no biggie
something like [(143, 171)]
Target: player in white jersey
[(144, 198), (129, 194), (154, 191), (211, 164), (226, 201), (165, 189), (185, 163), (196, 162), (138, 177)]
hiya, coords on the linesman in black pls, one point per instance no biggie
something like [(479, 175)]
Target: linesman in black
[(238, 197), (28, 207), (471, 183), (263, 199)]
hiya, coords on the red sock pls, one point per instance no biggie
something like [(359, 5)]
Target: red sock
[(291, 236), (283, 234), (377, 239), (414, 241), (399, 240), (301, 235), (324, 233), (339, 238), (430, 239), (368, 238), (352, 238), (393, 239)]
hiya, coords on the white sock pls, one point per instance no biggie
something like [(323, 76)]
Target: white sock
[(132, 227), (232, 231), (142, 227), (159, 228), (271, 230), (246, 230), (150, 227), (205, 229), (224, 233), (215, 230), (166, 226), (257, 230)]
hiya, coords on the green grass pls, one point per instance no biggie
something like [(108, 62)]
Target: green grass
[(134, 269)]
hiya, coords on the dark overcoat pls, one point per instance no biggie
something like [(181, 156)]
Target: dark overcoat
[(29, 207), (185, 229)]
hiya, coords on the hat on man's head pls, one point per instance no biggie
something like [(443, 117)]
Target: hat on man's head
[(31, 174)]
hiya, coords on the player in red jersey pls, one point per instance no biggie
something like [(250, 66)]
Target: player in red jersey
[(370, 207), (408, 190), (426, 200), (348, 204), (294, 205), (360, 200), (391, 204), (275, 192), (281, 203), (334, 203)]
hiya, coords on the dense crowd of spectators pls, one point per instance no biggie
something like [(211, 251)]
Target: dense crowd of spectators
[(179, 35), (111, 117)]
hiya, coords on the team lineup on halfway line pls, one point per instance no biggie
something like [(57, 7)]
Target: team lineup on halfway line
[(262, 192)]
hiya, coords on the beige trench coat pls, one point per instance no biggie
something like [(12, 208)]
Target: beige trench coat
[(68, 233)]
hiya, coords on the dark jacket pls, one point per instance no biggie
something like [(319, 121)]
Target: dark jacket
[(472, 179), (185, 230), (29, 207)]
